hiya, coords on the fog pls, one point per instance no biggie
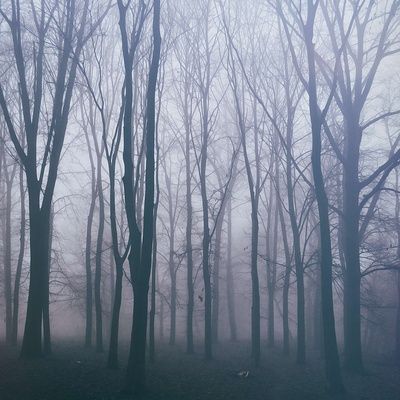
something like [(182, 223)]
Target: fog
[(203, 186)]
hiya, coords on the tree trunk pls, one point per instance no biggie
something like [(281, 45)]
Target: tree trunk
[(153, 300), (317, 318), (207, 290), (137, 354), (7, 251), (215, 273), (18, 272), (332, 364), (301, 334), (161, 326), (230, 290), (189, 249), (98, 260), (286, 284), (272, 277), (112, 361), (39, 249), (46, 303), (136, 373), (255, 289), (397, 222), (351, 247), (172, 331)]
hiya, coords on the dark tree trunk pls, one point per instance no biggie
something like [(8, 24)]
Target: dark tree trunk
[(254, 191), (397, 222), (255, 289), (207, 288), (161, 325), (88, 251), (98, 268), (112, 361), (18, 272), (286, 283), (153, 299), (271, 254), (332, 364), (154, 264), (172, 331), (9, 180), (188, 234), (206, 233), (46, 302), (230, 289), (215, 273), (301, 334), (136, 372), (41, 186), (272, 277), (317, 317), (397, 348), (39, 250), (351, 247)]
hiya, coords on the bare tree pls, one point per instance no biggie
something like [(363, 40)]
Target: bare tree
[(317, 118), (67, 23), (140, 254)]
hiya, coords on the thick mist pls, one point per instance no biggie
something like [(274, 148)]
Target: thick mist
[(199, 199)]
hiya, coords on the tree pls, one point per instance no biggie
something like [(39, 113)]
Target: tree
[(9, 176), (140, 254), (352, 81), (317, 117), (67, 23)]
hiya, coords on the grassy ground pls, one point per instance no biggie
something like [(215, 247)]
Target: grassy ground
[(73, 373)]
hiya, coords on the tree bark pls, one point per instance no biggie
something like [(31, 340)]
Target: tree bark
[(46, 303), (21, 253), (39, 250), (351, 249), (286, 283), (397, 222), (136, 374), (215, 274), (112, 360), (332, 363), (189, 248), (230, 289), (9, 180)]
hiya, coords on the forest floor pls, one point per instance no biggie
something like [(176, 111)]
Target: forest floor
[(73, 373)]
